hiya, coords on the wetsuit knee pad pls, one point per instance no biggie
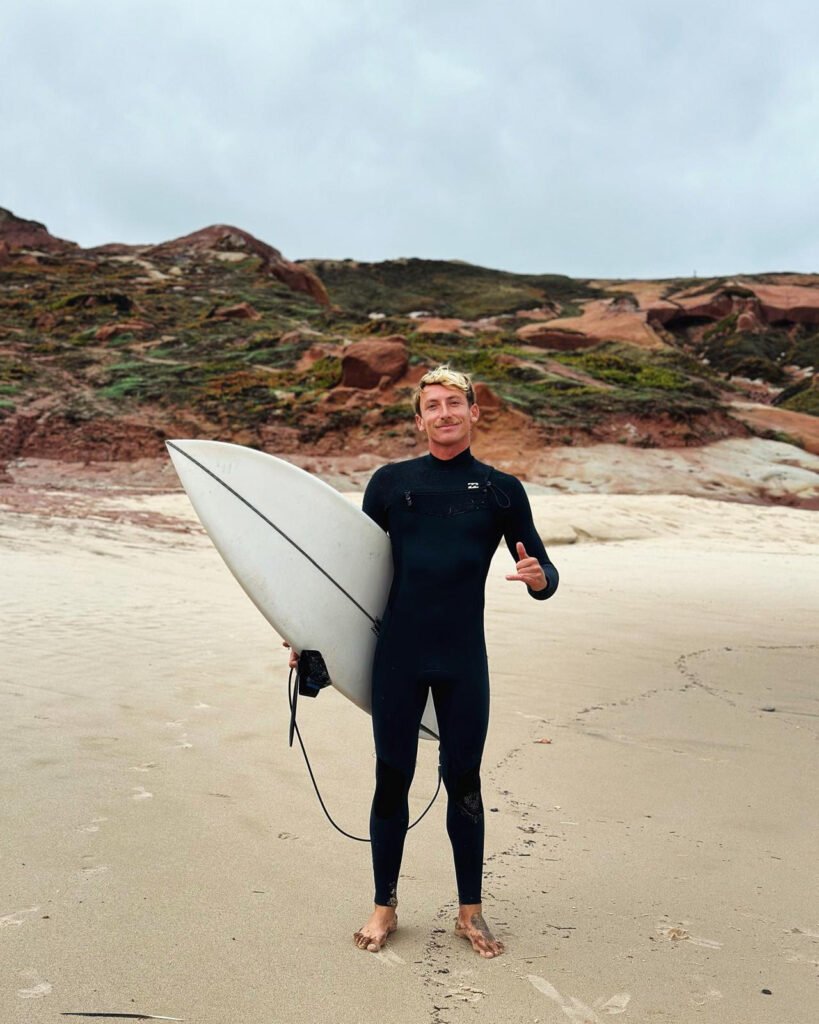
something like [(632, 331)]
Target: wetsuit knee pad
[(465, 791), (391, 789)]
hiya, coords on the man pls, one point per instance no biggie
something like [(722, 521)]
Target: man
[(445, 514)]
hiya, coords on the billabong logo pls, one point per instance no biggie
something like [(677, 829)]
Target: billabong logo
[(472, 486)]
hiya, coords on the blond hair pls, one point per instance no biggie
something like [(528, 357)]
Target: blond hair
[(449, 378)]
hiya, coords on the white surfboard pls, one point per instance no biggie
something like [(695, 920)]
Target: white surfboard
[(316, 567)]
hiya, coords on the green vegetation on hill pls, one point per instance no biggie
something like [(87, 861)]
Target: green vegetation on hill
[(801, 397), (617, 381), (761, 355), (445, 289), (173, 349)]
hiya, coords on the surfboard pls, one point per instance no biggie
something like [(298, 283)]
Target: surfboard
[(315, 566)]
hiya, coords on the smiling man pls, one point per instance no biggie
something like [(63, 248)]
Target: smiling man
[(445, 514)]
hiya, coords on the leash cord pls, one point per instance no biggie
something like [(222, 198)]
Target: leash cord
[(292, 698)]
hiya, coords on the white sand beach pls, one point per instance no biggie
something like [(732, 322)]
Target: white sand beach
[(650, 782)]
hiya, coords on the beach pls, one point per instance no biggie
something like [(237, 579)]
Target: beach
[(649, 781)]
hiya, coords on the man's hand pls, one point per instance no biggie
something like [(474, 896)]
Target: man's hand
[(294, 658), (529, 570)]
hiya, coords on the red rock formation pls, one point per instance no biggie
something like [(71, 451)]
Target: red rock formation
[(224, 238), (300, 334), (442, 325), (17, 233), (788, 302), (241, 311), (713, 306), (799, 425), (768, 304), (315, 353), (548, 311), (748, 322), (55, 437), (300, 279), (544, 336), (486, 398), (115, 327), (370, 363), (601, 320)]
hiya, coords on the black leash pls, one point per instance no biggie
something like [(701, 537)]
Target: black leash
[(293, 697)]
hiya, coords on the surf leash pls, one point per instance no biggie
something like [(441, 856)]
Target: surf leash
[(292, 698)]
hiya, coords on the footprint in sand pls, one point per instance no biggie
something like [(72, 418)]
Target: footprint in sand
[(387, 956), (93, 870), (140, 793), (578, 1011), (792, 956), (184, 743), (38, 988), (702, 992), (94, 826), (17, 918), (466, 994), (146, 767), (617, 1003)]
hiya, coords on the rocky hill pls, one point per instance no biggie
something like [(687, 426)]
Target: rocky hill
[(106, 352)]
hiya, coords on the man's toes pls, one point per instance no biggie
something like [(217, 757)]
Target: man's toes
[(483, 945), (370, 943)]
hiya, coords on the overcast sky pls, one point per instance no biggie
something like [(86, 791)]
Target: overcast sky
[(633, 138)]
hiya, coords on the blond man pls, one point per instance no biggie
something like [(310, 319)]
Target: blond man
[(445, 514)]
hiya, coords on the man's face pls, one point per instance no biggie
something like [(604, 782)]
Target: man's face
[(446, 417)]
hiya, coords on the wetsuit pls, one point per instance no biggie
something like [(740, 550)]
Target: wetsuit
[(445, 519)]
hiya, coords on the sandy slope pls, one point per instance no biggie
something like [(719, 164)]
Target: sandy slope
[(163, 852)]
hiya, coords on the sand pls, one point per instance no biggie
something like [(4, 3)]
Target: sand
[(163, 852)]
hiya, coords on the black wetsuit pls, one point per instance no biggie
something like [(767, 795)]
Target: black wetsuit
[(445, 520)]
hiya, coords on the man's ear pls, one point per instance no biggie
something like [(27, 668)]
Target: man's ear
[(474, 413), (419, 423)]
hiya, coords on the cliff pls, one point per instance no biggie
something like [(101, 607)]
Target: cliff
[(106, 352)]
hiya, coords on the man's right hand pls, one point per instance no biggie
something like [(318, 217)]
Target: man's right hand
[(294, 657)]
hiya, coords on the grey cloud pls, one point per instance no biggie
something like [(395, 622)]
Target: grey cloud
[(588, 138)]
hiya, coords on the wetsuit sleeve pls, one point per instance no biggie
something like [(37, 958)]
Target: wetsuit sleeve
[(519, 526), (375, 499)]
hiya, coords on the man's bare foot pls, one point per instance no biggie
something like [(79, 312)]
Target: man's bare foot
[(382, 923), (472, 927)]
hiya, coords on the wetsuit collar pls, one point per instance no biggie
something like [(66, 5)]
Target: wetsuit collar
[(462, 459)]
